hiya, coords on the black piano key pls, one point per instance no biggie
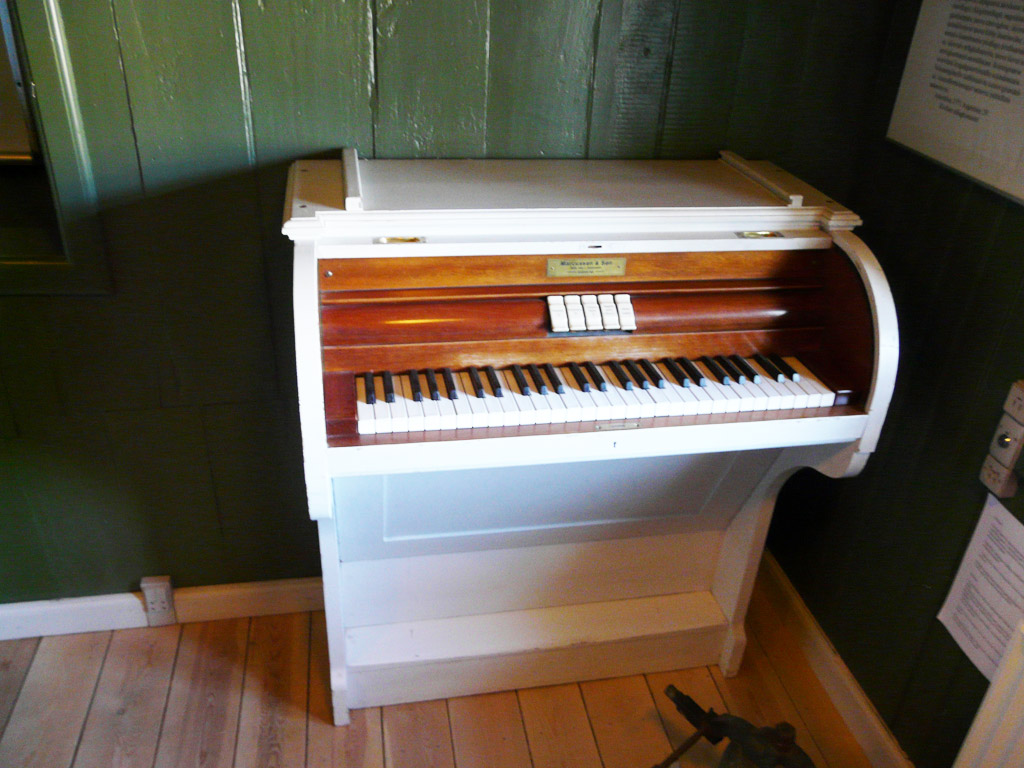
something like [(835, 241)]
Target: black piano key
[(745, 368), (785, 367), (677, 373), (538, 380), (432, 390), (371, 396), (696, 374), (596, 376), (730, 370), (474, 379), (449, 383), (414, 386), (389, 387), (577, 374), (637, 374), (653, 373), (554, 378), (714, 370), (495, 382), (770, 369), (624, 380), (517, 374)]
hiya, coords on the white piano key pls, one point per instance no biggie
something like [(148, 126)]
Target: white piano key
[(527, 410), (509, 408), (399, 414), (665, 401), (413, 409), (618, 405), (364, 411), (648, 406), (828, 397), (756, 395), (723, 398), (493, 404), (688, 404), (570, 405), (431, 412), (381, 410), (463, 410), (477, 407), (588, 409), (628, 396), (750, 399), (446, 407), (786, 399)]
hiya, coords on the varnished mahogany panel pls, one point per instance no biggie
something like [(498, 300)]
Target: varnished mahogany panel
[(565, 349), (398, 272), (406, 321)]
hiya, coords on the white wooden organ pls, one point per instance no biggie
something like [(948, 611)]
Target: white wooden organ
[(547, 406)]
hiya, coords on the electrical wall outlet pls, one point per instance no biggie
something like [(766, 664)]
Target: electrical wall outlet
[(159, 598)]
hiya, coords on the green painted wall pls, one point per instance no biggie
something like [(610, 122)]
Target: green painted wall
[(154, 430)]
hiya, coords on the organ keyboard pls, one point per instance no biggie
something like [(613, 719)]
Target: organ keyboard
[(546, 406)]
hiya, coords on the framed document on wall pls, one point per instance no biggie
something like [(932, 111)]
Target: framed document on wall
[(960, 101)]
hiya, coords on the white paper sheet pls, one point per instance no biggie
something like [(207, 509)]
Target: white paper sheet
[(960, 100), (986, 601)]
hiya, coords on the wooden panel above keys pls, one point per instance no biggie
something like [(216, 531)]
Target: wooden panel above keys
[(403, 272)]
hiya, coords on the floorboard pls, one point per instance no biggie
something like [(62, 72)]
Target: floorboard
[(200, 726), (47, 718), (256, 693), (15, 658), (124, 719)]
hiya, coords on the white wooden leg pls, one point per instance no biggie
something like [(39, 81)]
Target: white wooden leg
[(331, 566), (732, 650)]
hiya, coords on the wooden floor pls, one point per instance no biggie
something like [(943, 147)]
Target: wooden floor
[(253, 692)]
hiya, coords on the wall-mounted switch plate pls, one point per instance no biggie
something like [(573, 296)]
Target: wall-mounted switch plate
[(998, 479)]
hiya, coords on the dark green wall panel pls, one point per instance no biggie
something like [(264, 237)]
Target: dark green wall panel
[(634, 49), (540, 72), (431, 78)]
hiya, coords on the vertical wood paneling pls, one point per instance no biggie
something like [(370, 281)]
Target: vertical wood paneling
[(540, 71), (431, 78), (702, 79), (103, 98), (768, 78), (124, 718), (634, 50), (188, 102), (54, 701)]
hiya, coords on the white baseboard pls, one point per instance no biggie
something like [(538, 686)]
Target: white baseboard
[(97, 613), (853, 705)]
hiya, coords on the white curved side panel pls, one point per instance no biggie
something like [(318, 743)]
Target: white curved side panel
[(309, 372), (887, 340)]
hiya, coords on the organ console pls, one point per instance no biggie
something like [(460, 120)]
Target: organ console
[(547, 406)]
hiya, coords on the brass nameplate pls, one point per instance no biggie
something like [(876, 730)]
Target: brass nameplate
[(603, 425), (587, 267)]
